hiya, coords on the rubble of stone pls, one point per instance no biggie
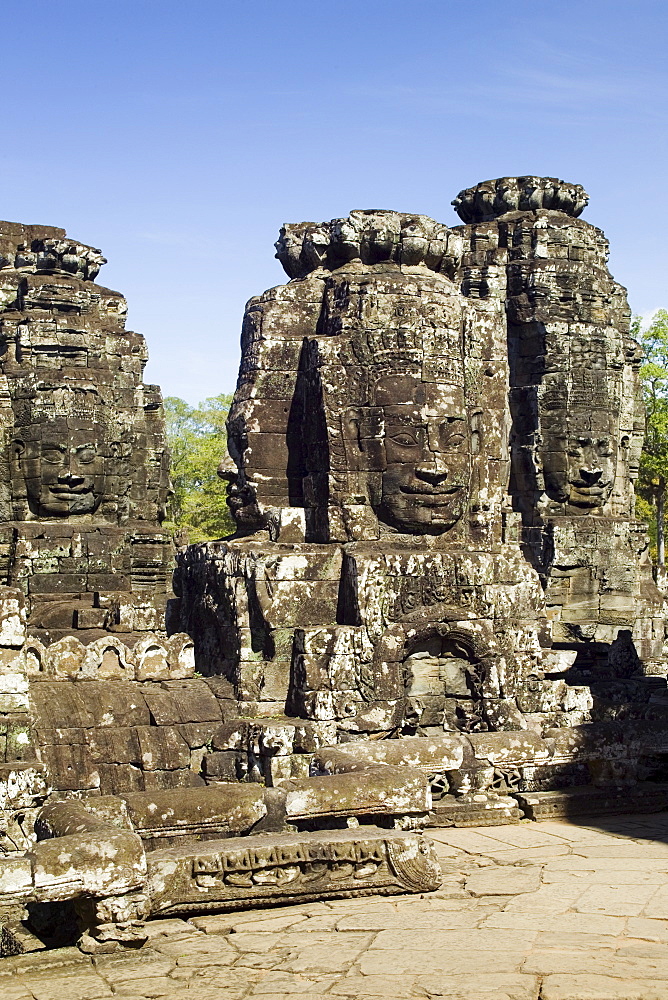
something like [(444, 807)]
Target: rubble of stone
[(113, 880)]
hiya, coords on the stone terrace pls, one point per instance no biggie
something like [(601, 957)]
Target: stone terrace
[(549, 912)]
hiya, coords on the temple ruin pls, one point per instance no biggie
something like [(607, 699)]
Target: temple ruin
[(438, 607)]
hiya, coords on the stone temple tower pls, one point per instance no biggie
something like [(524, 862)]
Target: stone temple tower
[(82, 448), (435, 434)]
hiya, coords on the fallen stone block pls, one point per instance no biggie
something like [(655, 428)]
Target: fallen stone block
[(288, 868), (429, 754), (590, 801), (475, 810), (216, 810), (388, 791)]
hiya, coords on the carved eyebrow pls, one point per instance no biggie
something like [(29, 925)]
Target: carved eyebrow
[(405, 420), (415, 420)]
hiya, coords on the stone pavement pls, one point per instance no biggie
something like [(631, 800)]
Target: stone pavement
[(549, 911)]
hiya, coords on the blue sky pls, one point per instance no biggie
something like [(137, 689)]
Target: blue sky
[(179, 136)]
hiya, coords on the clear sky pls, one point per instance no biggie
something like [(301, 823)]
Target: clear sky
[(179, 136)]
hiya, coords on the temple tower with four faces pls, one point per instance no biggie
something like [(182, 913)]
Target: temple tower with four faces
[(435, 435)]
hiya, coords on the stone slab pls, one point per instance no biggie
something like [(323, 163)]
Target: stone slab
[(289, 868)]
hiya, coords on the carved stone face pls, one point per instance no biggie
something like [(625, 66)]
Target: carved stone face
[(345, 241), (65, 468), (579, 467), (442, 686), (426, 473), (288, 251)]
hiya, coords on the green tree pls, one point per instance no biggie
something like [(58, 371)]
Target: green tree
[(653, 478), (198, 441)]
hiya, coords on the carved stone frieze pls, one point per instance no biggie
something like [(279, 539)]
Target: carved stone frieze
[(287, 868)]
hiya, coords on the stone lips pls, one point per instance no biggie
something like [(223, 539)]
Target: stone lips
[(489, 200)]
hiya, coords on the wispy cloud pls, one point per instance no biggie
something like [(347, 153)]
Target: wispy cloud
[(647, 317), (563, 86)]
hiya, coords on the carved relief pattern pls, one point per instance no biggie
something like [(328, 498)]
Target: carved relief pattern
[(314, 866)]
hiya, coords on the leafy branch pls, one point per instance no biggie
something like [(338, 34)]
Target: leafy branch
[(198, 441)]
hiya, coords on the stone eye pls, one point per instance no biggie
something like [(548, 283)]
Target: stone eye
[(86, 454), (404, 440), (52, 454)]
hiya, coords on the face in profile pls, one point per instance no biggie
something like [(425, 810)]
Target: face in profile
[(424, 454), (579, 467), (233, 468), (63, 468)]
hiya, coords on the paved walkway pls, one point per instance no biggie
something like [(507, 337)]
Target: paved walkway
[(549, 911)]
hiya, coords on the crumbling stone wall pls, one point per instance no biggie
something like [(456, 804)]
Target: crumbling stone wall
[(101, 730), (84, 564), (576, 406)]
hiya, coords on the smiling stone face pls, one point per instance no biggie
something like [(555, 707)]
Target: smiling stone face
[(579, 466), (64, 469), (65, 453), (425, 481)]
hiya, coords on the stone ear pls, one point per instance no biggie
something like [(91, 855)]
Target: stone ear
[(17, 451), (351, 429), (351, 421)]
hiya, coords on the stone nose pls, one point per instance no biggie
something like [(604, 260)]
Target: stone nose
[(70, 478), (433, 465), (432, 474), (591, 475)]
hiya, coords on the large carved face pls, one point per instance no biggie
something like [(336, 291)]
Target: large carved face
[(579, 466), (63, 467), (345, 241), (66, 451), (443, 686), (423, 452)]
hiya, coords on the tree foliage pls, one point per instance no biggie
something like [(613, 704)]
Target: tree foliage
[(198, 441), (653, 478)]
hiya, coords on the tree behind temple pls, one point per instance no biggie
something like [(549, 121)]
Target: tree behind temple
[(198, 441), (653, 478)]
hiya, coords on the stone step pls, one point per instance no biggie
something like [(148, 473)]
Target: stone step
[(481, 810), (586, 800)]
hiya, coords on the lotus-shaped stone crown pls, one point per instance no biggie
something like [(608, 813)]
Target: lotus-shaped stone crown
[(490, 199)]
